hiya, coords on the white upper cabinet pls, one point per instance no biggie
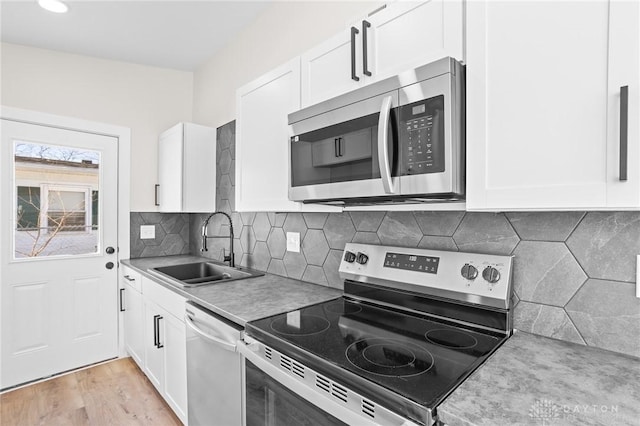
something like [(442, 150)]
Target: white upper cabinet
[(408, 34), (544, 105), (187, 169), (399, 37), (328, 70), (262, 147), (262, 132)]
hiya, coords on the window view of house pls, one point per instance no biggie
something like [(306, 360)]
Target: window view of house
[(57, 200)]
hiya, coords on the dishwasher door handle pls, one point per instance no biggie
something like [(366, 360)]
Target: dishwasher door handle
[(219, 342)]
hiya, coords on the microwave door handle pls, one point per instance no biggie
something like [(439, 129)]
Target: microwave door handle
[(383, 145)]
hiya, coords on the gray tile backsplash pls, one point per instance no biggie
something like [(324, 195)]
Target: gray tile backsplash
[(573, 271), (172, 234)]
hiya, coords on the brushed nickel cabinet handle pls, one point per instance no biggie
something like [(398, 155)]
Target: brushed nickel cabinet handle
[(365, 66), (354, 31), (624, 132)]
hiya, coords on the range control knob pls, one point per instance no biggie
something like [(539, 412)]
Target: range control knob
[(349, 257), (469, 272), (491, 274), (362, 258)]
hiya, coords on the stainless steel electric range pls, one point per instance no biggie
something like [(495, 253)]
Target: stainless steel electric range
[(411, 325)]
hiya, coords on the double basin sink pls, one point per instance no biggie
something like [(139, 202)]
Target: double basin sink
[(202, 273)]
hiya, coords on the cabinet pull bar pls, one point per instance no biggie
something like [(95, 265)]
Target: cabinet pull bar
[(335, 147), (155, 330), (156, 195), (122, 309), (128, 278), (354, 31), (365, 25), (340, 147), (373, 12), (160, 345), (624, 131)]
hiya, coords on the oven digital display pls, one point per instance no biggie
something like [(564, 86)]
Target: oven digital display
[(412, 262)]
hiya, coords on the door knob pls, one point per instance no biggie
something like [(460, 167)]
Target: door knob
[(110, 250), (109, 265)]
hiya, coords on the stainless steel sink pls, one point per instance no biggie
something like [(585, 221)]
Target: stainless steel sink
[(202, 273)]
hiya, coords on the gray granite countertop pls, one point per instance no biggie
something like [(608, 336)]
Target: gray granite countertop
[(243, 300), (534, 380)]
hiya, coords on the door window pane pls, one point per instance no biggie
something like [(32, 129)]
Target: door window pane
[(56, 205)]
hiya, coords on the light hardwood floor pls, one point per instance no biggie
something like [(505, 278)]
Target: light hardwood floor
[(114, 393)]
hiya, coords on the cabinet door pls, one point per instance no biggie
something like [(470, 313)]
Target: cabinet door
[(262, 148), (153, 350), (537, 105), (332, 68), (406, 35), (133, 323), (199, 175), (624, 61), (175, 360), (170, 166)]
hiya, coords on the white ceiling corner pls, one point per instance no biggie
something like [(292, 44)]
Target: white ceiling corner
[(169, 34)]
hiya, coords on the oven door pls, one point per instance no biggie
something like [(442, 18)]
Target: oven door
[(270, 403), (279, 391), (346, 152)]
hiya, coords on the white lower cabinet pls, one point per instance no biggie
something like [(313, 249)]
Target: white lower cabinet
[(131, 301), (155, 337), (175, 363)]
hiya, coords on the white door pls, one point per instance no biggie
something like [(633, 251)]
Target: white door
[(58, 227)]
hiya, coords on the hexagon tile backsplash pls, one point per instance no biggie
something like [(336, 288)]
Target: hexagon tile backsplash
[(574, 272)]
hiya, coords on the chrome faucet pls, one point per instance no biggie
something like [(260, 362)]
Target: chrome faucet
[(227, 258)]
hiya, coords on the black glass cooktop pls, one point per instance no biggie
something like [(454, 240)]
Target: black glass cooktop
[(420, 358)]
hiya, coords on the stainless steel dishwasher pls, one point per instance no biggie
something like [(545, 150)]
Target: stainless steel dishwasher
[(214, 368)]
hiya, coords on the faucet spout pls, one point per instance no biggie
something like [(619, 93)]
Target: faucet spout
[(227, 258)]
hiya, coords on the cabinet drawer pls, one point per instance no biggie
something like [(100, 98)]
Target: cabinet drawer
[(131, 277), (171, 302)]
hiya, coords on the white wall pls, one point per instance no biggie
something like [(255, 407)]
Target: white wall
[(281, 32), (146, 99)]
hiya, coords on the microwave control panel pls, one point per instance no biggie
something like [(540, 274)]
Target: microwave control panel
[(421, 134)]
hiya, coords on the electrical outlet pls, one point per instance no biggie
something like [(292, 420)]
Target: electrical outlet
[(147, 232), (293, 241)]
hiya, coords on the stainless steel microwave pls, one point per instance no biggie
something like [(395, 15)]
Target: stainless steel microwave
[(401, 139)]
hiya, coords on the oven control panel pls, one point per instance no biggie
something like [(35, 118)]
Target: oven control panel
[(476, 278)]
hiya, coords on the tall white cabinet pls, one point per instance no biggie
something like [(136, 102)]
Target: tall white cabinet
[(544, 105), (187, 169)]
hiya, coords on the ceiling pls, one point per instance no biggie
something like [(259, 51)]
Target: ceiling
[(170, 34)]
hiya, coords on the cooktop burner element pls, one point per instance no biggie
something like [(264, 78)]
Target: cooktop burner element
[(341, 307), (299, 325), (451, 338), (411, 326), (387, 357)]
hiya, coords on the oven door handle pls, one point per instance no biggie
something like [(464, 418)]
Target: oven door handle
[(383, 145), (219, 342)]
